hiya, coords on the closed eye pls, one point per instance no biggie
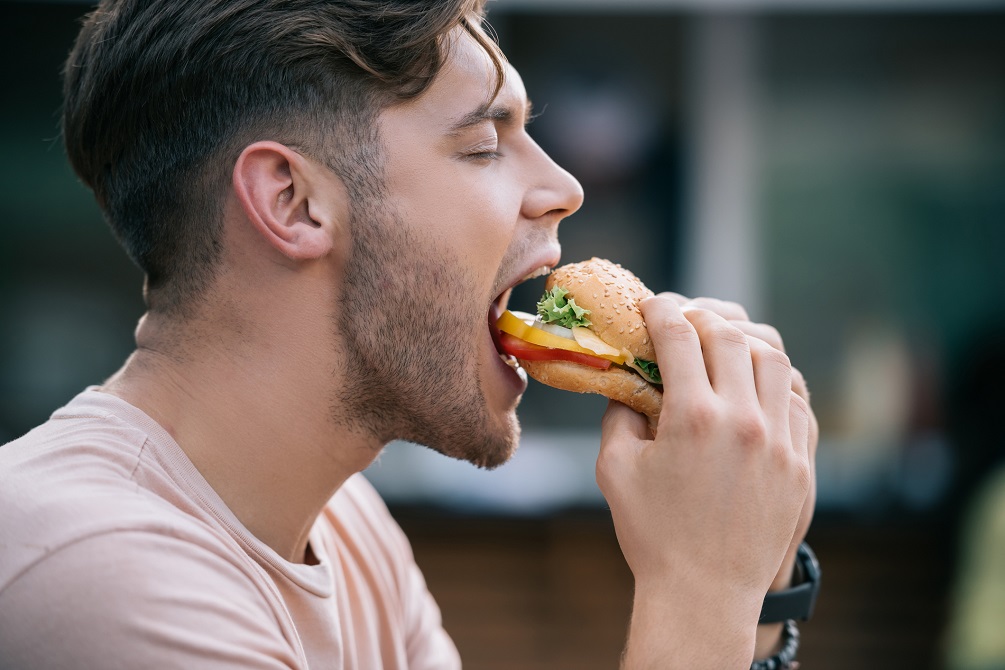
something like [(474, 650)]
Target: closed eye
[(483, 156), (487, 149)]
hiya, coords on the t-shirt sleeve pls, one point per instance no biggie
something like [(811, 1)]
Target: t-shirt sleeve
[(138, 600)]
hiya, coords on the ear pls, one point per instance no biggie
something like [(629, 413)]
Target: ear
[(286, 200)]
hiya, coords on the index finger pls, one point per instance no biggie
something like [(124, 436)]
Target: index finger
[(732, 311), (678, 349), (677, 297)]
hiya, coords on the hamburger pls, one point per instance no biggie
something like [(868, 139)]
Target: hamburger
[(588, 336)]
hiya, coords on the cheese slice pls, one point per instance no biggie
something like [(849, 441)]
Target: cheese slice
[(522, 328), (588, 339)]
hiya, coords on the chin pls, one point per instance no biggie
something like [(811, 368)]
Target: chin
[(488, 447)]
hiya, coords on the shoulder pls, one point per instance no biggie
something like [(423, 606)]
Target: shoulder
[(86, 548), (134, 598), (75, 478), (65, 480)]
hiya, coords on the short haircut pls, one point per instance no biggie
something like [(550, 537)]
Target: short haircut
[(161, 96)]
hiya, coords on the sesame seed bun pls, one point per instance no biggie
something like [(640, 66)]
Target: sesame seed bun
[(615, 383), (612, 294)]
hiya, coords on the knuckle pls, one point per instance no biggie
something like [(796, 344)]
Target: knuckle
[(681, 331), (707, 304), (737, 311), (676, 297), (729, 335), (751, 429), (772, 356), (781, 449), (724, 308), (602, 471), (772, 336), (799, 384), (798, 406), (804, 475), (699, 418), (605, 469)]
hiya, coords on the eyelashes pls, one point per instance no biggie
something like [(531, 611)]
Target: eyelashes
[(484, 156), (486, 150)]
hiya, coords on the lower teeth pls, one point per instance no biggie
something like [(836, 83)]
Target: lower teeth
[(513, 363)]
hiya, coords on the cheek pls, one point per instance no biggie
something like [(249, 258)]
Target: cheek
[(491, 206), (476, 215)]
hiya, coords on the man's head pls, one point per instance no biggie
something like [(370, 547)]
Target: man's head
[(160, 97), (382, 186)]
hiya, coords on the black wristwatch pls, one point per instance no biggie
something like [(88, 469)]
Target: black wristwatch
[(797, 601)]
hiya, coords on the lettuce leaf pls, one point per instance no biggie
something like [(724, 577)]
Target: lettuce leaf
[(652, 370), (555, 308)]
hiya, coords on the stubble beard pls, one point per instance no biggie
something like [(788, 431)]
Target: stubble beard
[(408, 369)]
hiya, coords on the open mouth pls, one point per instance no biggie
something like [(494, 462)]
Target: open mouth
[(499, 305)]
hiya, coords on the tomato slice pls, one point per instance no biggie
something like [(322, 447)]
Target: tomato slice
[(509, 322), (514, 346)]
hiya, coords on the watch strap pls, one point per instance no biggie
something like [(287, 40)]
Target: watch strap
[(798, 601)]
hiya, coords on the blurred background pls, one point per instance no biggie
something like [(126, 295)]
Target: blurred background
[(838, 166)]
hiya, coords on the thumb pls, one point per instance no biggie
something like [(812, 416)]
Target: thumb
[(620, 422), (622, 433)]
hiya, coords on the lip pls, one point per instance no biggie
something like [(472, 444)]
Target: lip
[(539, 265)]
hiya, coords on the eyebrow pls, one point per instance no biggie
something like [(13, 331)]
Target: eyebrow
[(487, 112)]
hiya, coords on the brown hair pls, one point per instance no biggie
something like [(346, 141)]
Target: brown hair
[(160, 96)]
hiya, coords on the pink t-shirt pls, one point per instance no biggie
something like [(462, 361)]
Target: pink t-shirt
[(116, 553)]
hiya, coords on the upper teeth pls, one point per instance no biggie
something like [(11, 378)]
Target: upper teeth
[(540, 272)]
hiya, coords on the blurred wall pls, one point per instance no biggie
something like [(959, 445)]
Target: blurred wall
[(69, 297)]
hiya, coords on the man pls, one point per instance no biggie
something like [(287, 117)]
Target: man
[(328, 200)]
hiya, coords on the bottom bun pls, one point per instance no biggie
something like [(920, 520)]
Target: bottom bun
[(616, 383)]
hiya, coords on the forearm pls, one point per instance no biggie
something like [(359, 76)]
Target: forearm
[(674, 626)]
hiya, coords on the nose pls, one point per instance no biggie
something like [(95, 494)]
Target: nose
[(554, 193)]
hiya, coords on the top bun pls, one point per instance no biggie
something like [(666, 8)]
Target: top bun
[(612, 294)]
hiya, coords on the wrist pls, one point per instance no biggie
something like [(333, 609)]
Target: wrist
[(697, 625), (786, 572)]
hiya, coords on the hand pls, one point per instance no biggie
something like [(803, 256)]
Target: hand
[(706, 510), (737, 316)]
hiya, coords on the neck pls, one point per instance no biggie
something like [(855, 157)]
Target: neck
[(254, 418)]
